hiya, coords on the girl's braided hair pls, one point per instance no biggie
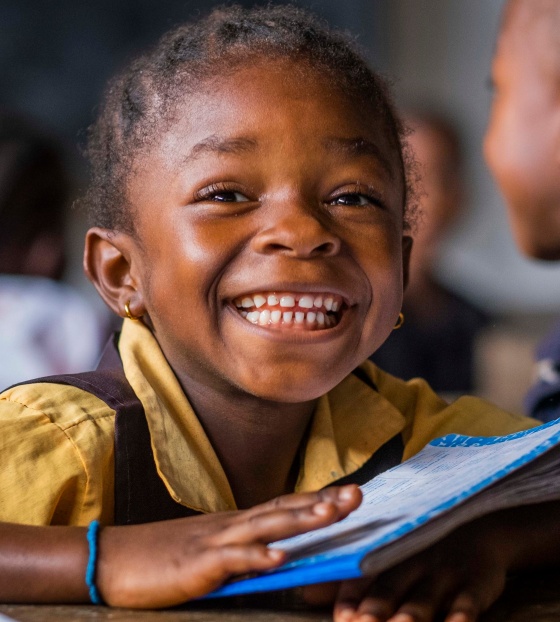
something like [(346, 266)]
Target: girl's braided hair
[(139, 102)]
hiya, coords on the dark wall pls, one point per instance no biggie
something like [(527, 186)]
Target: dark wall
[(56, 55)]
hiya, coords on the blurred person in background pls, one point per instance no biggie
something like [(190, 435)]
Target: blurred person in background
[(522, 148), (46, 327), (436, 340)]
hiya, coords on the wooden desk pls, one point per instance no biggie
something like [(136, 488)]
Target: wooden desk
[(529, 598), (70, 613)]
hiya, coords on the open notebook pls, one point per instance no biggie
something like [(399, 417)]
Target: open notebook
[(453, 480)]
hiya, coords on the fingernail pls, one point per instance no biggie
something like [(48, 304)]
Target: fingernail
[(458, 617), (346, 493), (401, 617), (275, 554)]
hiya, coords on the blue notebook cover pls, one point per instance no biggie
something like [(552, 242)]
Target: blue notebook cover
[(464, 465)]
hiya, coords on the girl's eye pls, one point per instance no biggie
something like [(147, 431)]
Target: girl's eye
[(353, 198), (228, 196), (219, 193)]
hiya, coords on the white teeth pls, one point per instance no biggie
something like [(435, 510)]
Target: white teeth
[(321, 305), (287, 301), (264, 317), (306, 302), (267, 317), (259, 301), (287, 316), (253, 316)]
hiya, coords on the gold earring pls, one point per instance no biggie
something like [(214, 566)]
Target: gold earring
[(128, 313), (400, 321)]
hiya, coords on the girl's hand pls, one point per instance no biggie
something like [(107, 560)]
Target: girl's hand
[(167, 563), (458, 578), (454, 580)]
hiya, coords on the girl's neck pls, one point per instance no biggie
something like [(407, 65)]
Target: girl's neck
[(257, 441)]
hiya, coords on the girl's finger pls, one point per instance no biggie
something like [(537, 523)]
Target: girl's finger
[(426, 598), (349, 597), (465, 608), (476, 597), (346, 498), (278, 524), (382, 599), (217, 565), (376, 599), (403, 594)]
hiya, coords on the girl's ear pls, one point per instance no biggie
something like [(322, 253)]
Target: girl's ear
[(108, 265), (406, 252)]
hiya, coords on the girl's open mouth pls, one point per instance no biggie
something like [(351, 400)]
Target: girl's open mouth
[(299, 311)]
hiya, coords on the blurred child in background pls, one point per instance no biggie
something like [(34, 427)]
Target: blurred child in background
[(436, 340), (46, 327)]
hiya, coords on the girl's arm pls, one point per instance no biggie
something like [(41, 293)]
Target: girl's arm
[(43, 564), (160, 564)]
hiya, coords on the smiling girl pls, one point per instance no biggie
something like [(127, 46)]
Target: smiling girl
[(250, 209)]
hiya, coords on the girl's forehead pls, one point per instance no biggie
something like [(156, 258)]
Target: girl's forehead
[(272, 98)]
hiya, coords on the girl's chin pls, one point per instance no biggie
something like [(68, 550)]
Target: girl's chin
[(290, 390)]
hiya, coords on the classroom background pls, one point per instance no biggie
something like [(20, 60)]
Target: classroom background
[(56, 56)]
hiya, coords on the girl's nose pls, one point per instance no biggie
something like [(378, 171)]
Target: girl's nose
[(298, 232)]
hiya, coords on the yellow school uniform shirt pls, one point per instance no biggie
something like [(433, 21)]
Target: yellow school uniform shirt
[(57, 442)]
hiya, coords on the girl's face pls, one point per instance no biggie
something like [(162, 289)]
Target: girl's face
[(270, 235)]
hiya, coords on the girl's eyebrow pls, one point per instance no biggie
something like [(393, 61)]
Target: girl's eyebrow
[(220, 144), (359, 146)]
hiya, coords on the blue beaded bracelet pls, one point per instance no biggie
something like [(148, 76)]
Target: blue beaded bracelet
[(92, 536)]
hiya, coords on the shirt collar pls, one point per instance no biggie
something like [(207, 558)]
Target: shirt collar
[(350, 424)]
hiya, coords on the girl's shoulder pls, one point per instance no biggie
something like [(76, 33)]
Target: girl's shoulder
[(57, 445), (64, 406), (428, 416)]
